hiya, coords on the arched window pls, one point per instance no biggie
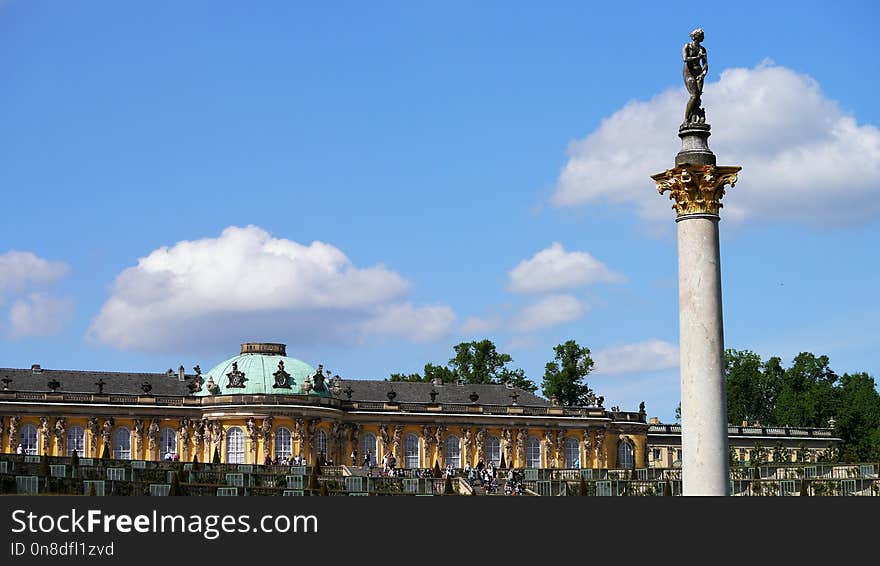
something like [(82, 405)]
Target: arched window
[(411, 454), (625, 454), (28, 438), (321, 445), (493, 450), (283, 443), (453, 451), (572, 453), (76, 440), (234, 446), (533, 452), (167, 443), (368, 446), (122, 444)]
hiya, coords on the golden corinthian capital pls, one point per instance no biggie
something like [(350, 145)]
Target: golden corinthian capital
[(696, 189)]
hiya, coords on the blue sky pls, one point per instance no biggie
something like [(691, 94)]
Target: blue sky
[(468, 170)]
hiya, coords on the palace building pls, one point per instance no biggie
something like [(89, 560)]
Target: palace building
[(263, 403)]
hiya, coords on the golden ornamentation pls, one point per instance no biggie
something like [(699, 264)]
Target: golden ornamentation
[(696, 189)]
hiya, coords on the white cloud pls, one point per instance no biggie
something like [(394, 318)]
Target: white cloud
[(642, 357), (419, 324), (553, 268), (39, 314), (20, 270), (247, 285), (549, 311), (477, 325), (803, 157)]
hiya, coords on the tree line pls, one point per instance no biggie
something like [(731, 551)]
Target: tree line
[(807, 393), (481, 362)]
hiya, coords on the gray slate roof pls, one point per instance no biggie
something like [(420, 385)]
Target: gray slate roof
[(415, 392), (74, 381), (127, 383)]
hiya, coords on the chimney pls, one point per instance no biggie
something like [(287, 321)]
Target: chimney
[(181, 374), (654, 420), (36, 368)]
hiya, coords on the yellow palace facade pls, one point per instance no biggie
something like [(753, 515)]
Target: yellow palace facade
[(263, 404)]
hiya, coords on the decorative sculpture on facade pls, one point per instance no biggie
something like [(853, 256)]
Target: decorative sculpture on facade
[(252, 434), (195, 383), (266, 432), (216, 433), (153, 435), (212, 386), (107, 430), (311, 427), (467, 441), (14, 423), (235, 377), (92, 427), (587, 436), (548, 448), (319, 378), (395, 440), (479, 441), (139, 435), (282, 378), (44, 433), (199, 428), (600, 443), (521, 436), (60, 430)]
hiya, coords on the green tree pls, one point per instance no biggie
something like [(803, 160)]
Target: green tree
[(443, 373), (405, 377), (517, 378), (752, 387), (479, 362), (857, 417), (474, 362), (564, 377), (807, 393)]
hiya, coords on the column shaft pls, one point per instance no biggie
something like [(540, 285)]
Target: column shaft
[(705, 468)]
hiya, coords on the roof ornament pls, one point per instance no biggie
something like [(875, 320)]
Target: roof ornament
[(514, 396), (211, 386), (196, 383), (307, 385), (54, 384), (6, 381), (147, 387), (391, 395), (348, 391), (336, 385), (319, 378), (282, 378), (473, 397), (100, 383), (433, 395), (236, 377)]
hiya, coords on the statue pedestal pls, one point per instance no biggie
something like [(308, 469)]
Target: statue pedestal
[(695, 146)]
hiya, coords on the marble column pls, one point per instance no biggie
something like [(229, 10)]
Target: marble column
[(696, 185)]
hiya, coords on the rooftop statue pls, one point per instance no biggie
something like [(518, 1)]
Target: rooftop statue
[(696, 65)]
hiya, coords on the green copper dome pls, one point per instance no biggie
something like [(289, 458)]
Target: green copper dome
[(261, 369)]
